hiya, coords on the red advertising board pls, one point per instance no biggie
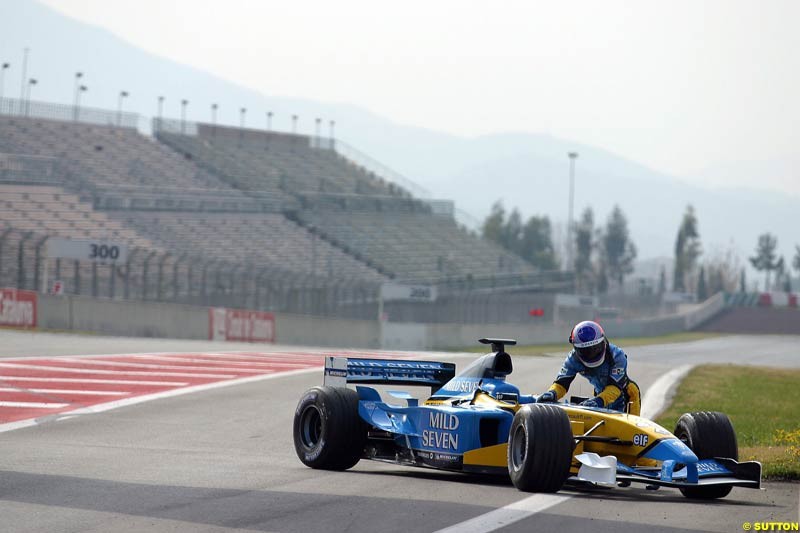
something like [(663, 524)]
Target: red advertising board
[(240, 325), (18, 308)]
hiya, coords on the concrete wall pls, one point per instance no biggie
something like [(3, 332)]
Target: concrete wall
[(154, 319)]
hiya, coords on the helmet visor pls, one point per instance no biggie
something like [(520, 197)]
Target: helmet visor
[(592, 355)]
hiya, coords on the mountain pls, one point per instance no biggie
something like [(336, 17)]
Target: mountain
[(524, 170)]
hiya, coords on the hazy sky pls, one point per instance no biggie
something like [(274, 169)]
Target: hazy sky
[(687, 87)]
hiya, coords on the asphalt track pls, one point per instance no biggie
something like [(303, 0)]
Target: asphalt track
[(222, 460)]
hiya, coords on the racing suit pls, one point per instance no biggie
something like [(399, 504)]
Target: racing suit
[(610, 380)]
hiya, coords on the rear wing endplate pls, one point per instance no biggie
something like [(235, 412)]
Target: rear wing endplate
[(339, 371)]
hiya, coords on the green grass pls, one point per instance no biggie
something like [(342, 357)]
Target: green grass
[(761, 403), (624, 342)]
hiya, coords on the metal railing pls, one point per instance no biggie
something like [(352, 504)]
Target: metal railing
[(68, 113)]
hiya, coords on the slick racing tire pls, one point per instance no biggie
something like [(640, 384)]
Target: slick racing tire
[(708, 434), (329, 434), (540, 446)]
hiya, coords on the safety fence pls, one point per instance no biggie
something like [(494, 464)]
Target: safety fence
[(61, 112), (163, 276)]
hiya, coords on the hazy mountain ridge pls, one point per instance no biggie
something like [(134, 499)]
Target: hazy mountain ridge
[(525, 170)]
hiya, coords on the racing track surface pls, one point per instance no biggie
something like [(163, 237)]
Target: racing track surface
[(222, 459)]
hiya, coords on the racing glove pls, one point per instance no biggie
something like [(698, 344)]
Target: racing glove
[(547, 397), (593, 402)]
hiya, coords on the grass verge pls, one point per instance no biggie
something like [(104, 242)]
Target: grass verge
[(624, 342), (761, 403)]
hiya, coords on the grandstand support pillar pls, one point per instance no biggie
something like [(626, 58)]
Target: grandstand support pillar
[(95, 291), (127, 287), (175, 269), (38, 265), (232, 278), (76, 281), (112, 280), (21, 261), (145, 269), (257, 288), (246, 280), (3, 238), (57, 274), (160, 287), (204, 281)]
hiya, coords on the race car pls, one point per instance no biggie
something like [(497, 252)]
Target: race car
[(478, 422)]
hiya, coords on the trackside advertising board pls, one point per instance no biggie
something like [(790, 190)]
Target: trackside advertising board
[(18, 308), (240, 325)]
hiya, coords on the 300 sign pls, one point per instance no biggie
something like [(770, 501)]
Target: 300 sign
[(103, 252)]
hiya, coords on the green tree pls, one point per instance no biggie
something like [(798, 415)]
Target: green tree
[(512, 233), (687, 250), (619, 250), (662, 280), (702, 290), (742, 282), (493, 225), (796, 261), (584, 245), (765, 259), (537, 244)]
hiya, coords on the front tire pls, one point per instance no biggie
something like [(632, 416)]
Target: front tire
[(540, 446), (708, 434), (328, 432)]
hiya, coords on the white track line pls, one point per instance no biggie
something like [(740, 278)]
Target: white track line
[(158, 367), (504, 516), (660, 392), (34, 405), (88, 380), (66, 391), (11, 426), (115, 372), (213, 360)]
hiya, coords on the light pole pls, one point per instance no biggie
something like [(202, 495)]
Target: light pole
[(269, 120), (214, 119), (184, 103), (572, 157), (24, 78), (294, 123), (331, 124), (122, 95), (77, 113), (160, 110), (317, 133), (242, 113), (31, 83), (3, 78)]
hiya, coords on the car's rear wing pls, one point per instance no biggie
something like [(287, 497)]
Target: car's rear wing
[(339, 371)]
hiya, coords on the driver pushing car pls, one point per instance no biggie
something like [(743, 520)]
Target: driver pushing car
[(603, 364)]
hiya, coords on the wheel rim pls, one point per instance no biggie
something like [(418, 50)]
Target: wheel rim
[(519, 447), (310, 426)]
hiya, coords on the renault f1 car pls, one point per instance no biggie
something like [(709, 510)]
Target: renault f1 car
[(478, 422)]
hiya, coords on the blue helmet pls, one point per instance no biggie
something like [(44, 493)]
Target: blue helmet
[(589, 341)]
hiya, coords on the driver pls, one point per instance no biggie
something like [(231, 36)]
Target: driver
[(603, 364)]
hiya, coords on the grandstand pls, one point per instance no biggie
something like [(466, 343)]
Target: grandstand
[(224, 216)]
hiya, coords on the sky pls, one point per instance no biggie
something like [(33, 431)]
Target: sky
[(700, 89)]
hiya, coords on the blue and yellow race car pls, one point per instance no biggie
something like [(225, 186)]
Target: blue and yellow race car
[(478, 422)]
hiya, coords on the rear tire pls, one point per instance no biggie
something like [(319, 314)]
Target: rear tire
[(328, 432), (540, 446), (708, 434)]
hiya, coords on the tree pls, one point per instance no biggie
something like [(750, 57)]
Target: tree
[(687, 249), (584, 245), (742, 282), (765, 259), (796, 261), (533, 241), (662, 280), (512, 233), (702, 291), (537, 244), (619, 250), (493, 225)]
